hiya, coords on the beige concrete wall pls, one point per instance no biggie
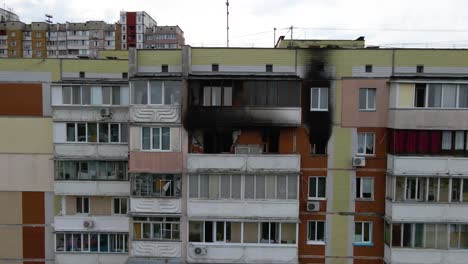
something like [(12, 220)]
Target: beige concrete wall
[(26, 172), (26, 135), (406, 95), (10, 206), (351, 116), (11, 242), (98, 206)]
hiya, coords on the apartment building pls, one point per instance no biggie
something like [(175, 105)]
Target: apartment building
[(134, 28), (7, 15), (165, 37)]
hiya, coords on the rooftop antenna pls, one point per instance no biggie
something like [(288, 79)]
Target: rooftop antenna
[(49, 19), (227, 23), (274, 37)]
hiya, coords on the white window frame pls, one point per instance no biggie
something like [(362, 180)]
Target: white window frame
[(119, 199), (365, 144), (88, 236), (84, 200), (316, 178), (316, 242), (161, 223), (363, 242), (360, 195), (109, 133), (160, 139), (320, 91), (367, 107)]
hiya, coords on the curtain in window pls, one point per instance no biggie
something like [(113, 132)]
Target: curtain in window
[(459, 140), (463, 96), (435, 142), (391, 141), (400, 141), (411, 141), (450, 96), (423, 142), (435, 94)]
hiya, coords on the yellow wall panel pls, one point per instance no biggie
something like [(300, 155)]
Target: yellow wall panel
[(26, 135), (10, 206), (406, 95)]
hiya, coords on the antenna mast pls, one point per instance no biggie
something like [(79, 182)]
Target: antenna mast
[(227, 23)]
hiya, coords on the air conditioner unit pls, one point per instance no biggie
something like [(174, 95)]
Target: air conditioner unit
[(200, 251), (105, 112), (88, 224), (359, 161), (313, 206)]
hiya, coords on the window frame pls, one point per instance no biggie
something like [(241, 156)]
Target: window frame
[(162, 222), (320, 91), (88, 236), (81, 201), (360, 196), (367, 96), (317, 197), (365, 144), (98, 139), (363, 242), (151, 149), (119, 200), (316, 242)]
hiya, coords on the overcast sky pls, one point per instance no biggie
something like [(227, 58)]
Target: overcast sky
[(382, 22)]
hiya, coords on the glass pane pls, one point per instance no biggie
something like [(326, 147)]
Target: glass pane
[(464, 236), (465, 190), (249, 186), (396, 235), (418, 235), (260, 187), (146, 230), (157, 231), (250, 232), (281, 186), (140, 92), (227, 96), (172, 93), (313, 187), (156, 92), (106, 95), (236, 186), (443, 190), (367, 231), (456, 186), (430, 236), (271, 187), (193, 186), (156, 138), (432, 191), (195, 231), (70, 132), (367, 188), (447, 140), (77, 242), (361, 146), (206, 96), (453, 236), (274, 233), (371, 98), (407, 234), (463, 96), (116, 95), (369, 143), (66, 94), (68, 242), (315, 98), (321, 187), (358, 232), (362, 98), (81, 132), (59, 242), (215, 96), (166, 138), (292, 187), (214, 186), (103, 243), (204, 182), (225, 186), (123, 132), (442, 236), (358, 187), (219, 231), (435, 95), (288, 233), (93, 242), (312, 226), (76, 90), (459, 140), (323, 98), (114, 132), (86, 90), (103, 132), (92, 132), (450, 96), (234, 231), (387, 234), (400, 189)]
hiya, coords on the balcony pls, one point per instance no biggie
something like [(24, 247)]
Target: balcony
[(159, 113), (89, 113), (231, 253), (244, 116), (426, 212), (155, 205), (101, 223), (427, 165), (244, 208), (91, 151), (424, 256), (243, 163), (420, 118), (102, 188), (157, 249), (157, 162), (103, 258)]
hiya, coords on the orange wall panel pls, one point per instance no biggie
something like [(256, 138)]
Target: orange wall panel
[(20, 99), (33, 243), (33, 208)]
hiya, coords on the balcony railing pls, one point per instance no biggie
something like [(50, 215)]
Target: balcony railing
[(424, 256), (106, 188), (420, 118), (99, 223), (427, 212), (427, 165)]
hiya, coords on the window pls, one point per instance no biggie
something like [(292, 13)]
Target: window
[(368, 67), (110, 95), (97, 132), (90, 170), (217, 96), (91, 242), (164, 68), (156, 138), (269, 68), (420, 68), (13, 34), (362, 233), (82, 74), (367, 98), (124, 75), (230, 232), (120, 206), (364, 188), (156, 185), (317, 187), (215, 67), (366, 143), (156, 228), (156, 92), (269, 187), (315, 232), (13, 43), (318, 99), (82, 205), (38, 44)]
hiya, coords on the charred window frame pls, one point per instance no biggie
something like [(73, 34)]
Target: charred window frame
[(318, 99), (217, 96)]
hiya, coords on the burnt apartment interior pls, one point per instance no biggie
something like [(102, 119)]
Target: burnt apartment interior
[(243, 116)]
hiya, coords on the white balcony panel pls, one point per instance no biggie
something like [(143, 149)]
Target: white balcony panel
[(243, 163), (101, 258), (243, 209), (425, 256), (449, 119), (230, 253), (89, 114), (159, 114), (155, 205), (101, 223), (101, 188), (427, 212), (157, 249), (425, 165), (91, 151)]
